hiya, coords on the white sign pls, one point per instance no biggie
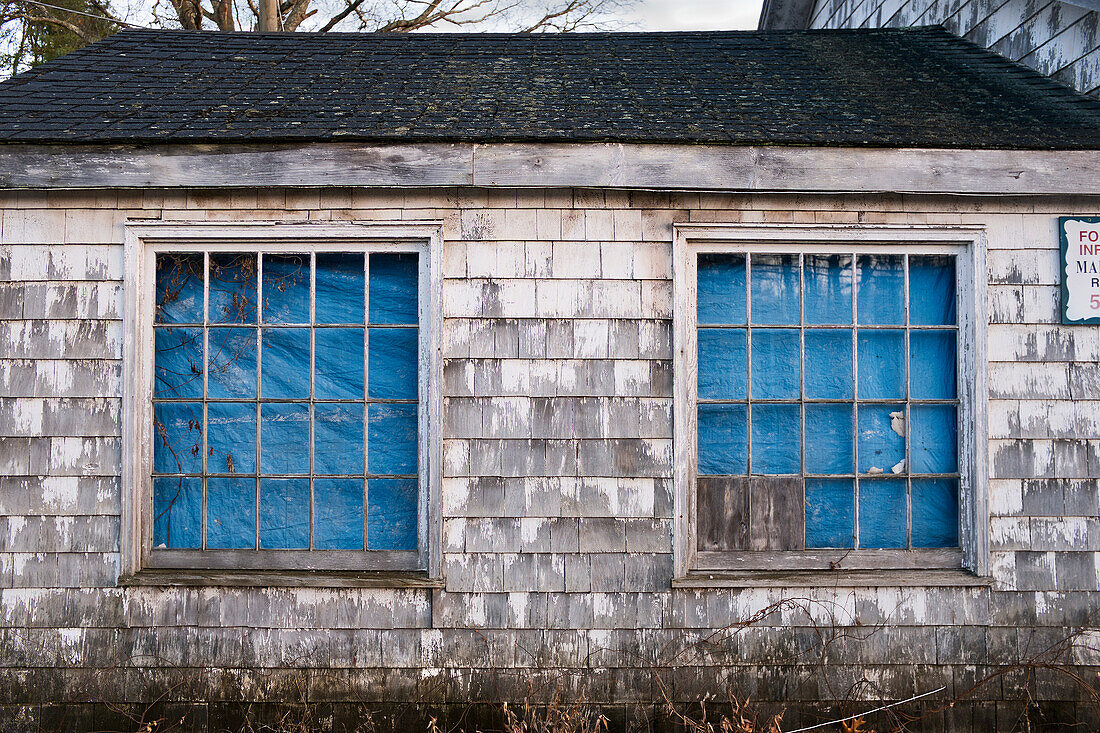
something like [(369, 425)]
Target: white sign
[(1080, 237)]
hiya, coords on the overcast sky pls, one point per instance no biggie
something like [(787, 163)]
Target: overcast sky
[(693, 15)]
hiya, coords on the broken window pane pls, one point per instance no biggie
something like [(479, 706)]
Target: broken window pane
[(881, 438)]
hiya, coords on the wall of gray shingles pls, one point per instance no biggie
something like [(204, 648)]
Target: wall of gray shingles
[(1058, 39), (557, 494)]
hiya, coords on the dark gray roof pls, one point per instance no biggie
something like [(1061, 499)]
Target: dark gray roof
[(890, 87)]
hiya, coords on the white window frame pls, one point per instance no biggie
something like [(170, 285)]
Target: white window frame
[(969, 246), (143, 241)]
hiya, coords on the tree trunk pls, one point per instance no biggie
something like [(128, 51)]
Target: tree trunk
[(269, 15)]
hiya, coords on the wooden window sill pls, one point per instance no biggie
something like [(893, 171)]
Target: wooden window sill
[(282, 578), (958, 578)]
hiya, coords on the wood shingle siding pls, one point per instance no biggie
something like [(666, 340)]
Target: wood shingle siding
[(557, 505)]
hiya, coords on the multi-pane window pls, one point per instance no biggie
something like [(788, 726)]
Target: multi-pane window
[(285, 401), (827, 401)]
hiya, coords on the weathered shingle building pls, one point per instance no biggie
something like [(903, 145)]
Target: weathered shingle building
[(351, 373), (1057, 38)]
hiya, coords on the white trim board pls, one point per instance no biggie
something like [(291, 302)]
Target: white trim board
[(627, 166)]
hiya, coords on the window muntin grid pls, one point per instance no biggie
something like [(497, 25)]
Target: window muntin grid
[(349, 315), (764, 322)]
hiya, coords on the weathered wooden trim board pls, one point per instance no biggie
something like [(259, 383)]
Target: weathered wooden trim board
[(690, 167)]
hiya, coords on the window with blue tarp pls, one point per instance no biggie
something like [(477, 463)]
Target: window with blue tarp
[(827, 403), (286, 401)]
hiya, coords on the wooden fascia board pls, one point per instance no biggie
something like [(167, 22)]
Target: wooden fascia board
[(604, 165)]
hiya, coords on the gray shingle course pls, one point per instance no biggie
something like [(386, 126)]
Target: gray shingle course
[(918, 87)]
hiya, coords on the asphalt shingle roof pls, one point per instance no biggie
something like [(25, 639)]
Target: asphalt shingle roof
[(887, 87)]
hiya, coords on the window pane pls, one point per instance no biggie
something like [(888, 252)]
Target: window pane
[(338, 363), (338, 439), (933, 442), (177, 512), (391, 519), (721, 283), (935, 513), (881, 364), (232, 287), (776, 444), (391, 442), (828, 364), (284, 438), (722, 372), (178, 362), (881, 438), (828, 289), (775, 364), (829, 507), (774, 289), (723, 439), (231, 513), (932, 290), (830, 445), (177, 437), (232, 363), (392, 368), (284, 514), (285, 370), (882, 515), (932, 365), (179, 288), (231, 437), (338, 510), (880, 293), (286, 288), (340, 288), (393, 280)]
